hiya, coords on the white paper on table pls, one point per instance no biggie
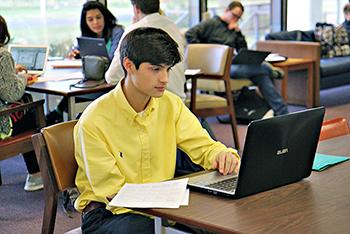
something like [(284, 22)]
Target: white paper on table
[(70, 76), (167, 194), (186, 198), (67, 63), (191, 72)]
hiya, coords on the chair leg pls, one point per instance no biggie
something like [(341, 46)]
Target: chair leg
[(234, 131), (0, 177), (50, 210)]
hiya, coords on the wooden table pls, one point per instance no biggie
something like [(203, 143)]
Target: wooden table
[(317, 204), (64, 88), (296, 64)]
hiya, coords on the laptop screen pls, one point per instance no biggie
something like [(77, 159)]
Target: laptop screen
[(33, 58)]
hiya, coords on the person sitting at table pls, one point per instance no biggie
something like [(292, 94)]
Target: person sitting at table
[(96, 21), (225, 30), (12, 89), (135, 141)]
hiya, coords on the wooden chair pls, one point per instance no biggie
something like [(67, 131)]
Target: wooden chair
[(214, 62), (334, 128), (54, 149), (21, 143)]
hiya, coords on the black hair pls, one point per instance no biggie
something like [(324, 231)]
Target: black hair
[(109, 19), (147, 6), (4, 32), (235, 4), (149, 45)]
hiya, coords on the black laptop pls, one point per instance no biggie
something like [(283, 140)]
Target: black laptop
[(246, 56), (277, 151), (92, 46)]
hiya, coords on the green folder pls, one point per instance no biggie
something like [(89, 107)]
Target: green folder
[(323, 161)]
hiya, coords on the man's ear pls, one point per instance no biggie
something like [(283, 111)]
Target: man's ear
[(128, 64)]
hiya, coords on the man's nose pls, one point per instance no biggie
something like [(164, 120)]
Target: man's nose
[(164, 76)]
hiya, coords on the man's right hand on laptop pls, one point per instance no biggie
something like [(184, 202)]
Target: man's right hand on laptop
[(226, 163)]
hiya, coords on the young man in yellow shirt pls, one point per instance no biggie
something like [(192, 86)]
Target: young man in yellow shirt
[(130, 135)]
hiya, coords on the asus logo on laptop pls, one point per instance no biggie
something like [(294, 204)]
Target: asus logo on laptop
[(282, 151)]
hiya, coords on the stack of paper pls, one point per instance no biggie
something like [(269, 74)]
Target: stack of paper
[(167, 194)]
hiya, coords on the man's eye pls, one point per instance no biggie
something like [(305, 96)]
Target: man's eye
[(155, 68)]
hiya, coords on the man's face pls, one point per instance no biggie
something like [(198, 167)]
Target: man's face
[(235, 14), (347, 15), (149, 80)]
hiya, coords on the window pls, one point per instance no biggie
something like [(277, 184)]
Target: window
[(304, 14), (255, 21), (56, 22), (51, 22)]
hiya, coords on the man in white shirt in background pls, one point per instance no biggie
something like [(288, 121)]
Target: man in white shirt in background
[(146, 14)]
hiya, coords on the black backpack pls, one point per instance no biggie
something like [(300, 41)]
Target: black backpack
[(249, 106)]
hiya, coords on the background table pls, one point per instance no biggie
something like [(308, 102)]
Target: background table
[(317, 204), (63, 88), (296, 64)]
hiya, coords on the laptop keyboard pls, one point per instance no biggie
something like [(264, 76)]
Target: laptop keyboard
[(228, 185)]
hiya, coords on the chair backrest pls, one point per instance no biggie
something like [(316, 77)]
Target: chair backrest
[(60, 146), (214, 62), (209, 58), (334, 128), (54, 149)]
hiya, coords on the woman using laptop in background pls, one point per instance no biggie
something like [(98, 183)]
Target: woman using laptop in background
[(98, 22), (12, 89)]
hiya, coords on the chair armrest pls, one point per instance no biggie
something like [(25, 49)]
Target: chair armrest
[(38, 106)]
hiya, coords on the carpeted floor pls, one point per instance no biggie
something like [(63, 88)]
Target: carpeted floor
[(21, 212)]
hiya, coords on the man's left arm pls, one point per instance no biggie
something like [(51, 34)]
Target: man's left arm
[(196, 142)]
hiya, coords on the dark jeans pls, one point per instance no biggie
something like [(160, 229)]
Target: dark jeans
[(260, 76), (103, 221), (25, 124)]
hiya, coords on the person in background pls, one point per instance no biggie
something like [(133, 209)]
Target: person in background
[(147, 14), (13, 80), (346, 22), (135, 141), (96, 21), (225, 30)]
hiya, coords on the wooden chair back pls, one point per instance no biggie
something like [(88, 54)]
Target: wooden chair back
[(334, 128), (214, 62), (21, 143), (54, 149)]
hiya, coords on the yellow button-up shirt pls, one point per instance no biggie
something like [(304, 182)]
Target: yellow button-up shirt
[(115, 145)]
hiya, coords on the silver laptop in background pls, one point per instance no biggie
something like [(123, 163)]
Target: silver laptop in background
[(277, 151), (33, 57)]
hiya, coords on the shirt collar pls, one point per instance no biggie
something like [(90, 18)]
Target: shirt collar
[(126, 108)]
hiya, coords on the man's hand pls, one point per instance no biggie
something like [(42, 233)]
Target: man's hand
[(226, 163), (233, 25)]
